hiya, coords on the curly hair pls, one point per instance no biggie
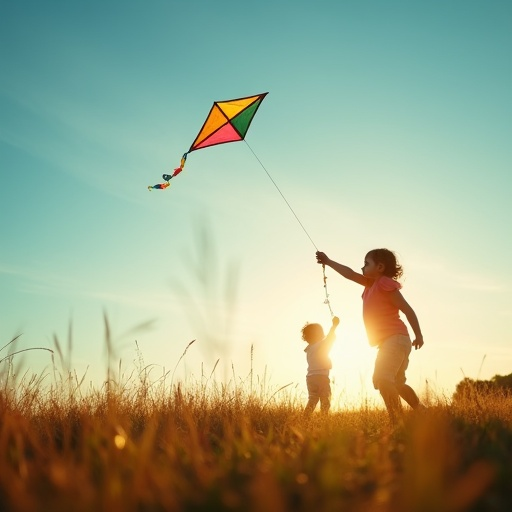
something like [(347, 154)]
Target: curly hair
[(388, 258), (312, 333)]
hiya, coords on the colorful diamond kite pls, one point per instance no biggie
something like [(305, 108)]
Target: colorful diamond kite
[(228, 121)]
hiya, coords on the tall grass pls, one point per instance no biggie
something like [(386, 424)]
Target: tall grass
[(141, 442), (145, 444)]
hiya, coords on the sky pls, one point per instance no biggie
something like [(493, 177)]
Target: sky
[(387, 124)]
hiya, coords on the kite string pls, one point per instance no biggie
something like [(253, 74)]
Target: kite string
[(282, 195), (301, 225)]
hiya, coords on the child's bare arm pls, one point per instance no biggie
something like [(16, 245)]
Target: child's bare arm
[(343, 270), (398, 300), (331, 336)]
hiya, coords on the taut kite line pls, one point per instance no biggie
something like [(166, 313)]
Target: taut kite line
[(228, 121)]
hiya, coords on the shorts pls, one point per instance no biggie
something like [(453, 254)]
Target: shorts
[(319, 386), (392, 360)]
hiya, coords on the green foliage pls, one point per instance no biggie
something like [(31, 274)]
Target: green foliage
[(498, 385)]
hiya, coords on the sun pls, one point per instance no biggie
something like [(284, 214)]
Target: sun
[(352, 369)]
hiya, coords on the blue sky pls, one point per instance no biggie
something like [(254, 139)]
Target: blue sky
[(386, 124)]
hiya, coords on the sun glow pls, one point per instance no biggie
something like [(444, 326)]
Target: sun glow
[(352, 369), (352, 357)]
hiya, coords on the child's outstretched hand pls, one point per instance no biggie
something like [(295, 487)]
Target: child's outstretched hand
[(335, 321)]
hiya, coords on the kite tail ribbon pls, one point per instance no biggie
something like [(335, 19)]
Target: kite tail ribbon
[(168, 177), (160, 186)]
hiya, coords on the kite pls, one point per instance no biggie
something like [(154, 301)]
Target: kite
[(228, 121)]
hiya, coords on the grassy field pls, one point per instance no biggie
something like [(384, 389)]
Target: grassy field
[(152, 447)]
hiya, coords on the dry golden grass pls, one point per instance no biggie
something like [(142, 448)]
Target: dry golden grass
[(145, 446)]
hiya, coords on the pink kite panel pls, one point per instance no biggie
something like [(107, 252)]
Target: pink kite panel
[(226, 134)]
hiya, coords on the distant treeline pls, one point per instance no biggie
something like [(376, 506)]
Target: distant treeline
[(498, 384)]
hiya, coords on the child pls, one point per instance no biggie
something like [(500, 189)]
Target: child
[(382, 302), (319, 364)]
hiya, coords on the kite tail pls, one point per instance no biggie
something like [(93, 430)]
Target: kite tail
[(160, 186), (168, 177), (182, 164)]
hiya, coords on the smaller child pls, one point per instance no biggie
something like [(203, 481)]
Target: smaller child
[(319, 364)]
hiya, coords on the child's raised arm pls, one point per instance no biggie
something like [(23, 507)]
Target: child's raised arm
[(343, 270), (331, 336)]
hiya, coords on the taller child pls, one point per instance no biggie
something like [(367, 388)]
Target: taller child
[(382, 302)]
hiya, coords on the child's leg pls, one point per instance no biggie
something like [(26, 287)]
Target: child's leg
[(405, 391), (325, 404), (391, 360), (325, 395), (408, 394), (391, 398), (310, 407), (314, 394)]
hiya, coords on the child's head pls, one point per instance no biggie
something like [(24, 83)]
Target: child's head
[(312, 333), (388, 259)]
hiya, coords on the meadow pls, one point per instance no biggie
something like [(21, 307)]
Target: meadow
[(137, 444)]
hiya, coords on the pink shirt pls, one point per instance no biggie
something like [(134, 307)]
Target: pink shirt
[(381, 317)]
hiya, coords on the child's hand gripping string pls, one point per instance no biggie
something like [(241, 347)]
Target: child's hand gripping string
[(321, 258)]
